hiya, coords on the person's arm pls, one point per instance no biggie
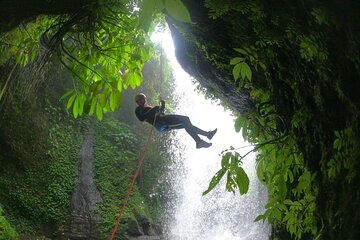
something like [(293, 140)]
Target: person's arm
[(162, 108), (145, 113)]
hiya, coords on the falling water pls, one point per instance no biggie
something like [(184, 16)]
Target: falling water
[(219, 214)]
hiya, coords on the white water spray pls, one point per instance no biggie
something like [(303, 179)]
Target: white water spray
[(219, 214)]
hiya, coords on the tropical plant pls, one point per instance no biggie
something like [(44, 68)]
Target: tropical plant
[(280, 166), (105, 46), (7, 232)]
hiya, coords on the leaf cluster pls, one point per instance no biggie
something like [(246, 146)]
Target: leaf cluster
[(116, 157), (105, 46), (39, 177), (235, 174), (257, 67), (6, 230), (344, 159)]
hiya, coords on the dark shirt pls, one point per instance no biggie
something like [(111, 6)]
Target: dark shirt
[(146, 113)]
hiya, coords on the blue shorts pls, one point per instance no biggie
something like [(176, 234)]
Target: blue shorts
[(161, 127)]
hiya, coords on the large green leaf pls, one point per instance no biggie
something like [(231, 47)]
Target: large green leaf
[(236, 60), (99, 111), (147, 9), (236, 71), (242, 180), (245, 71), (92, 107), (225, 160), (260, 217), (215, 180), (242, 51), (70, 101), (66, 94), (282, 188), (103, 98), (82, 100), (115, 100), (239, 123), (230, 183), (76, 107), (177, 10)]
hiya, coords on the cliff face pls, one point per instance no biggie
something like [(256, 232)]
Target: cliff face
[(287, 37), (13, 13), (84, 219), (204, 49), (304, 66)]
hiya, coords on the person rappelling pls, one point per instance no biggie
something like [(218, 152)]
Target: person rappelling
[(166, 122)]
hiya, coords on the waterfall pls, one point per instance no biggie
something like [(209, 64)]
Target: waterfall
[(219, 214)]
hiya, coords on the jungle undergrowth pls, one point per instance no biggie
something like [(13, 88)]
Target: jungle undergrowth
[(303, 146)]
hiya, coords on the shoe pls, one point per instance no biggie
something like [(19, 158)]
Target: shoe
[(202, 144), (211, 134)]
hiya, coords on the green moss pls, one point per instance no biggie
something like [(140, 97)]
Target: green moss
[(38, 159), (7, 232), (304, 68), (116, 158), (39, 178)]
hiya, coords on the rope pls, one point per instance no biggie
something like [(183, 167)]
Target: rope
[(141, 158)]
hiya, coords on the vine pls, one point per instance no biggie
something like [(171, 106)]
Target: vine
[(280, 164)]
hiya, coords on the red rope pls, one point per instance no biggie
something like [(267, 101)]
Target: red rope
[(141, 158)]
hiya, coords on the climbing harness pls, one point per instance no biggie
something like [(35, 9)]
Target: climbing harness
[(141, 158)]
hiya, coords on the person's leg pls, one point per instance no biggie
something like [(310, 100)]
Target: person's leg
[(190, 127), (180, 121)]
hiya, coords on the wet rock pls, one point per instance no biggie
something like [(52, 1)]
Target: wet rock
[(208, 65), (84, 219)]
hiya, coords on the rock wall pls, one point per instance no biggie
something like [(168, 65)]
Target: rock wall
[(208, 65), (84, 218)]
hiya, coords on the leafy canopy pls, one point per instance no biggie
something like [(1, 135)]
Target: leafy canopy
[(105, 47)]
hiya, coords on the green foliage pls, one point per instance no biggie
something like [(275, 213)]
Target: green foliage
[(235, 174), (38, 164), (7, 232), (280, 164), (22, 43), (41, 191), (101, 46), (242, 71), (38, 161), (105, 47), (312, 49), (291, 195), (106, 60), (62, 171), (116, 154), (297, 62), (344, 159), (241, 68), (217, 8)]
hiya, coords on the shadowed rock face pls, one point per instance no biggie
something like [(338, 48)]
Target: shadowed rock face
[(84, 220), (195, 60), (13, 12)]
